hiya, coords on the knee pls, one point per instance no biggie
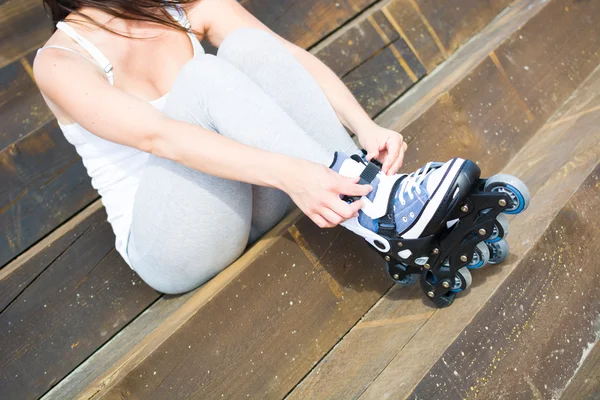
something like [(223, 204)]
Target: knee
[(245, 42), (205, 70)]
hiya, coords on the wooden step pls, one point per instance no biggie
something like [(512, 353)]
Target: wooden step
[(336, 301), (47, 186), (60, 303), (390, 351), (585, 385), (23, 28)]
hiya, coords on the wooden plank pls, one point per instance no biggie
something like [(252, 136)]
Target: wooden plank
[(24, 27), (79, 302), (531, 337), (15, 277), (380, 80), (44, 184), (450, 23), (569, 170), (586, 382), (265, 320), (22, 108), (423, 96), (486, 113), (117, 347), (543, 163), (305, 22)]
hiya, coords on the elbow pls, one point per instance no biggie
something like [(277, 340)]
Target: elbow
[(157, 142)]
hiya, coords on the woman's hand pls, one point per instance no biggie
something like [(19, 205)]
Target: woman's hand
[(316, 191), (384, 145)]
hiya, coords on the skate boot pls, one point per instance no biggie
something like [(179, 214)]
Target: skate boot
[(434, 224)]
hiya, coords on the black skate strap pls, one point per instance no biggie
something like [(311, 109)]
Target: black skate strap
[(369, 174), (366, 177)]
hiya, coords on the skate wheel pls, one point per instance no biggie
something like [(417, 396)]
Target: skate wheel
[(498, 251), (462, 280), (513, 187), (500, 229), (481, 255), (407, 280)]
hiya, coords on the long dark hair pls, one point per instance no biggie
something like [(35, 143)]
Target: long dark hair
[(138, 10)]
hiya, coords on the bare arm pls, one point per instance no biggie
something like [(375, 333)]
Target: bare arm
[(75, 86), (219, 18)]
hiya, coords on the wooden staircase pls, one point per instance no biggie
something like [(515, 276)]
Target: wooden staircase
[(309, 313)]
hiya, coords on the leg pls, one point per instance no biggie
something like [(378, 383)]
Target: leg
[(187, 226), (268, 63)]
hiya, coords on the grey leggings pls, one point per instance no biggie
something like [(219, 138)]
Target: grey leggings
[(188, 226)]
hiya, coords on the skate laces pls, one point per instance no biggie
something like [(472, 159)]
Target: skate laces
[(412, 183)]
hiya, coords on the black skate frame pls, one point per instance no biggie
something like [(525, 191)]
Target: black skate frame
[(476, 215)]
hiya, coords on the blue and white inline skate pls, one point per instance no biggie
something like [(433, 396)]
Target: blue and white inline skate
[(437, 223)]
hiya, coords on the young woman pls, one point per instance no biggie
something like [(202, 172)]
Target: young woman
[(195, 155)]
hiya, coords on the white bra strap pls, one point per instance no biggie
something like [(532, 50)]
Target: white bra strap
[(91, 49), (69, 50), (178, 13)]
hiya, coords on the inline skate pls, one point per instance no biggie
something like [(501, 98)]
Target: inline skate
[(436, 224)]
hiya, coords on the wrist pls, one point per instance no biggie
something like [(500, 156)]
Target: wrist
[(280, 170), (364, 127)]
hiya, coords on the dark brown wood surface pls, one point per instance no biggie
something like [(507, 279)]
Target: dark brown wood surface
[(43, 184), (82, 298), (586, 383), (22, 108), (390, 350), (290, 304), (351, 368), (379, 81), (529, 340), (16, 276), (554, 165), (23, 28), (305, 22), (415, 102), (488, 112)]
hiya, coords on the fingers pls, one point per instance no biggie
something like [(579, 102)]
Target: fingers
[(371, 155), (393, 149), (321, 222), (351, 188), (398, 163)]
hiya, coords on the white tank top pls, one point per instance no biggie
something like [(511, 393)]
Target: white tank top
[(115, 169)]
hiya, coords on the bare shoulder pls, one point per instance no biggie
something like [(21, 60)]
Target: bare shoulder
[(218, 18), (52, 66)]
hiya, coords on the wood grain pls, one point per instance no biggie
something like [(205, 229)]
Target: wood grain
[(586, 383), (563, 175), (85, 296), (565, 151), (379, 81), (530, 338), (291, 303), (44, 184), (16, 276), (305, 22), (24, 27), (415, 102), (22, 108)]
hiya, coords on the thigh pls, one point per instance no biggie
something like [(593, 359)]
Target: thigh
[(267, 62), (187, 226)]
